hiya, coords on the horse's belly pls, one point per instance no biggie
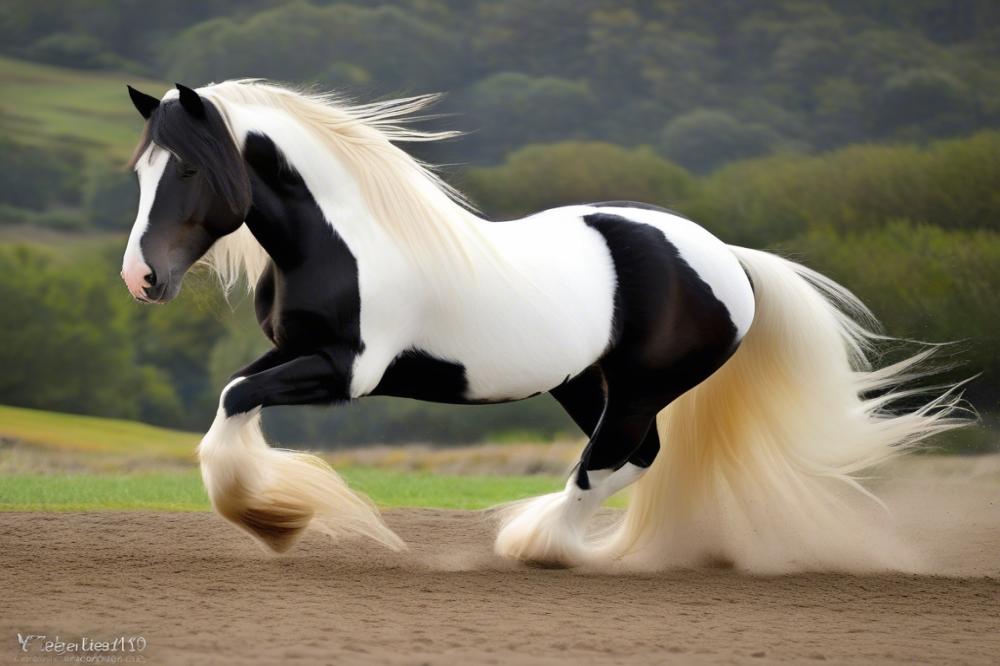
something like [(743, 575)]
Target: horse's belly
[(546, 320), (521, 366)]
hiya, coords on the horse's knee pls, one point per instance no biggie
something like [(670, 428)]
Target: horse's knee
[(239, 397)]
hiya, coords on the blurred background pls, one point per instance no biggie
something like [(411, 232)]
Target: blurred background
[(857, 136)]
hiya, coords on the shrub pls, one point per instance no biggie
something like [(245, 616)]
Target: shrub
[(542, 176)]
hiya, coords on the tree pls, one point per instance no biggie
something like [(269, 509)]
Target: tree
[(705, 139), (70, 349), (927, 98), (35, 178), (510, 110), (299, 41)]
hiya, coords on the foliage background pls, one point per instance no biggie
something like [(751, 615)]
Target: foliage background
[(859, 137)]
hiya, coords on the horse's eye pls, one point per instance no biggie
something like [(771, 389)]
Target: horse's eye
[(188, 170)]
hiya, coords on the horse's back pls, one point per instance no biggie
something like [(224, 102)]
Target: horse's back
[(584, 282), (544, 314)]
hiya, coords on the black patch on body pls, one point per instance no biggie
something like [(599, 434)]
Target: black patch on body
[(646, 206), (415, 374), (583, 397), (308, 300), (669, 334), (666, 316)]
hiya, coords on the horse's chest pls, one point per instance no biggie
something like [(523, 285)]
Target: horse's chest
[(303, 320)]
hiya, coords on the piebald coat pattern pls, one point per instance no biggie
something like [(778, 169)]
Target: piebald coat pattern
[(370, 280)]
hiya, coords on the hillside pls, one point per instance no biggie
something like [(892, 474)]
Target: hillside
[(76, 434), (54, 107)]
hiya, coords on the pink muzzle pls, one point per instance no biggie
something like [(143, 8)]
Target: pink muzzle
[(136, 274)]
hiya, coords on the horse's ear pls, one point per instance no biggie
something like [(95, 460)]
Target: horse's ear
[(191, 101), (144, 104)]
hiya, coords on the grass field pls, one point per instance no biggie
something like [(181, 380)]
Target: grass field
[(184, 492), (45, 105), (56, 436)]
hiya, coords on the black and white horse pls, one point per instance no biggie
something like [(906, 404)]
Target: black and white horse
[(742, 375)]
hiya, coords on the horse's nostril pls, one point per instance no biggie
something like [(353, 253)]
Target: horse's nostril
[(151, 278)]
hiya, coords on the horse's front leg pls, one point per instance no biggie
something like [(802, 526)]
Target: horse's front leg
[(269, 359), (274, 494)]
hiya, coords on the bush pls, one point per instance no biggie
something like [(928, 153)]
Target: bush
[(923, 283), (539, 177), (299, 41), (82, 345), (951, 184)]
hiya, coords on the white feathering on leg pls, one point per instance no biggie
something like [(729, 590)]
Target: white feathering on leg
[(276, 494)]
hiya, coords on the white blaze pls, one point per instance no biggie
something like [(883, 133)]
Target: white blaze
[(150, 168)]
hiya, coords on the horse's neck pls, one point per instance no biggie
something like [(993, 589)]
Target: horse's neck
[(338, 197), (283, 218)]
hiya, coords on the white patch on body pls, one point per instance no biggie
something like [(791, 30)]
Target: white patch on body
[(391, 298), (527, 329)]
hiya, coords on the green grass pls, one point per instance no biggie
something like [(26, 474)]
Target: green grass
[(93, 438), (88, 492), (89, 434), (45, 105), (184, 491), (443, 491)]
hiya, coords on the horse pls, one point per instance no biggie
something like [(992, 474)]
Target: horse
[(733, 390)]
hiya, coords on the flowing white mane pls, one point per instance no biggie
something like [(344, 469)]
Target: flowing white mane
[(427, 216)]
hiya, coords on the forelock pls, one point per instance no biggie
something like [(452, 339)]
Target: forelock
[(206, 143)]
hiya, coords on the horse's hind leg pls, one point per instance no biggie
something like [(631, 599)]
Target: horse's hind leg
[(551, 529), (584, 398)]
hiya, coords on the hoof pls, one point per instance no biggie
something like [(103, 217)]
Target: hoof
[(278, 528), (538, 533)]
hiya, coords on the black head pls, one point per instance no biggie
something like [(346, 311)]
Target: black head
[(194, 189)]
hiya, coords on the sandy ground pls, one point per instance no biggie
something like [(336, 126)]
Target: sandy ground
[(199, 591)]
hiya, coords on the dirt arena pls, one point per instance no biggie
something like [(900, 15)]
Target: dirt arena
[(198, 592)]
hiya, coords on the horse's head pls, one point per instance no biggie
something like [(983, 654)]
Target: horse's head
[(194, 189)]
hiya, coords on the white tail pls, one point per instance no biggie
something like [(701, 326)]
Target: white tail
[(275, 494), (758, 463)]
